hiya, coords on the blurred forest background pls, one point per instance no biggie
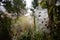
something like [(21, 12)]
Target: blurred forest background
[(17, 20)]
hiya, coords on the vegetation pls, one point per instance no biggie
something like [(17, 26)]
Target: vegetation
[(9, 30), (5, 22)]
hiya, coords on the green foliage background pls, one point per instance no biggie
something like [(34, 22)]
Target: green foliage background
[(54, 24)]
